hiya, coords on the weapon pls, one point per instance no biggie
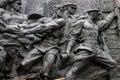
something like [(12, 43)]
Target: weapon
[(118, 15)]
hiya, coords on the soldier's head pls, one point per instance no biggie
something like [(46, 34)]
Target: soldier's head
[(12, 5), (70, 7), (2, 3), (57, 11), (34, 17), (93, 14), (16, 4)]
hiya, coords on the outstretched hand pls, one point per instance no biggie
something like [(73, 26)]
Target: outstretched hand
[(3, 24), (13, 29)]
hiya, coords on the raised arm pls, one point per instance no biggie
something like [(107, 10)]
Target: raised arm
[(105, 23)]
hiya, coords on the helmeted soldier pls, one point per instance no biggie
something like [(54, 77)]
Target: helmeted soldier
[(85, 35), (47, 49), (69, 12), (69, 9)]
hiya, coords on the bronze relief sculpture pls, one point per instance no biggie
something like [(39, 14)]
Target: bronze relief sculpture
[(62, 44)]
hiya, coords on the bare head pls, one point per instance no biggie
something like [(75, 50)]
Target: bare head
[(12, 5)]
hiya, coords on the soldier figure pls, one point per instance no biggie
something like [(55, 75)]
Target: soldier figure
[(86, 32), (10, 16), (69, 11), (46, 50)]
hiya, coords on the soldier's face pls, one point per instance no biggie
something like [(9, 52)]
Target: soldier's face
[(17, 5), (71, 10), (93, 15), (59, 13)]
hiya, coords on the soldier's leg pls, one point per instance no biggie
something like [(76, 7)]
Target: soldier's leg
[(48, 62), (13, 73), (10, 63), (105, 59), (78, 65), (34, 56)]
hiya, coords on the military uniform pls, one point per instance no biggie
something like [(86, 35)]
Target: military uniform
[(7, 38), (91, 44), (88, 46), (46, 49)]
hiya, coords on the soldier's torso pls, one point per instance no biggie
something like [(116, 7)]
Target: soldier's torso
[(54, 35), (13, 19), (66, 33), (51, 39), (89, 32)]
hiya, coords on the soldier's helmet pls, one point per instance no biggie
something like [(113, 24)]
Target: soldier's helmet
[(35, 15), (34, 10), (92, 10), (72, 5), (19, 2)]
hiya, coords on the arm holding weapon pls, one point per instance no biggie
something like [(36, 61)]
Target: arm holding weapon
[(39, 31), (41, 28), (18, 28)]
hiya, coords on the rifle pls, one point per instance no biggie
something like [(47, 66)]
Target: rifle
[(118, 15)]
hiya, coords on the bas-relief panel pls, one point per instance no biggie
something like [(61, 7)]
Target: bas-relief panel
[(107, 5)]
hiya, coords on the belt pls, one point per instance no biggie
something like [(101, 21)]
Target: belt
[(50, 41)]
